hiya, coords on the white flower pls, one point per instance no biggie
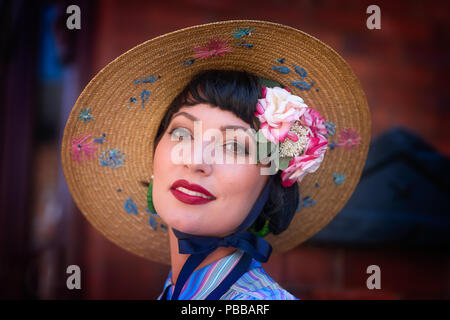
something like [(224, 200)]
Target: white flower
[(276, 111)]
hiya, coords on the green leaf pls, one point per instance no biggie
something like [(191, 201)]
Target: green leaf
[(284, 162), (265, 149), (260, 137)]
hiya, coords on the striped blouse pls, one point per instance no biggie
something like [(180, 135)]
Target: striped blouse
[(255, 284)]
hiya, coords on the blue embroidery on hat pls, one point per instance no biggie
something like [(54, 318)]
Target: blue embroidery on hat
[(241, 32), (101, 139), (282, 69), (153, 224), (338, 178), (154, 214), (188, 62), (317, 185), (302, 85), (300, 71), (144, 97), (331, 128), (130, 206), (305, 202), (132, 100), (112, 158), (85, 115), (245, 44), (152, 221), (119, 190), (280, 60), (333, 145), (163, 227), (150, 79)]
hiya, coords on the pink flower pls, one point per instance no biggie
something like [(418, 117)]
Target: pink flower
[(314, 121), (348, 138), (308, 162), (82, 150), (298, 168), (263, 92), (215, 47), (277, 111)]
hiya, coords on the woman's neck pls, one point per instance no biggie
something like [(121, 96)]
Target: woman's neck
[(177, 259)]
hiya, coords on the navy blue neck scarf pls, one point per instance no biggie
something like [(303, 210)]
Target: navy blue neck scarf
[(200, 246)]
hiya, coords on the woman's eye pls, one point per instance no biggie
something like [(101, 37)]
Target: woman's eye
[(178, 133), (235, 148)]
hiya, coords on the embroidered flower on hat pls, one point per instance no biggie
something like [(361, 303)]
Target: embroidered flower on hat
[(82, 149), (299, 130), (241, 32), (348, 138), (85, 115), (215, 47), (112, 158), (338, 178)]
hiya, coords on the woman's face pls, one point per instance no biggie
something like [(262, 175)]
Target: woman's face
[(233, 186)]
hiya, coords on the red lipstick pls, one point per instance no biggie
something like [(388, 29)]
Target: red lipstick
[(190, 198)]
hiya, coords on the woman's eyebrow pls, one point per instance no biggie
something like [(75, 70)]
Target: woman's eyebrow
[(187, 115), (222, 128)]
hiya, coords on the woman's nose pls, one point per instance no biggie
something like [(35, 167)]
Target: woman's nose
[(200, 161)]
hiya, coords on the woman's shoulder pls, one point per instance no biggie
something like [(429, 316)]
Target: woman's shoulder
[(256, 284)]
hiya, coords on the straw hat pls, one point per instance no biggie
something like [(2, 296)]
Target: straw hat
[(107, 148)]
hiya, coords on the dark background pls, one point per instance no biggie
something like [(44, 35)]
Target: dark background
[(398, 217)]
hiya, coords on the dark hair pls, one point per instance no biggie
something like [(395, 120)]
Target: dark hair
[(238, 92)]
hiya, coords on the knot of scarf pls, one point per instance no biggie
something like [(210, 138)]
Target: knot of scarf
[(255, 246)]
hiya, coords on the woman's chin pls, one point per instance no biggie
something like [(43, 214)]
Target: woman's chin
[(183, 225), (193, 229), (194, 223)]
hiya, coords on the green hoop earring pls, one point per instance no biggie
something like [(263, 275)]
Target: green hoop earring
[(150, 206)]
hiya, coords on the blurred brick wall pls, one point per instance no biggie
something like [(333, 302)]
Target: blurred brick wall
[(340, 273), (403, 69)]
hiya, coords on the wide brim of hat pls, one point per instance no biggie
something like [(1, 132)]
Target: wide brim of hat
[(123, 114)]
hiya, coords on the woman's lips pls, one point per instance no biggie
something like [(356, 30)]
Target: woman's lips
[(186, 198), (191, 193)]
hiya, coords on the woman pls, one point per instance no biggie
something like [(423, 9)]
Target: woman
[(226, 130), (217, 99)]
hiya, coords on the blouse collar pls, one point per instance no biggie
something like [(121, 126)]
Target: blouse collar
[(203, 281)]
